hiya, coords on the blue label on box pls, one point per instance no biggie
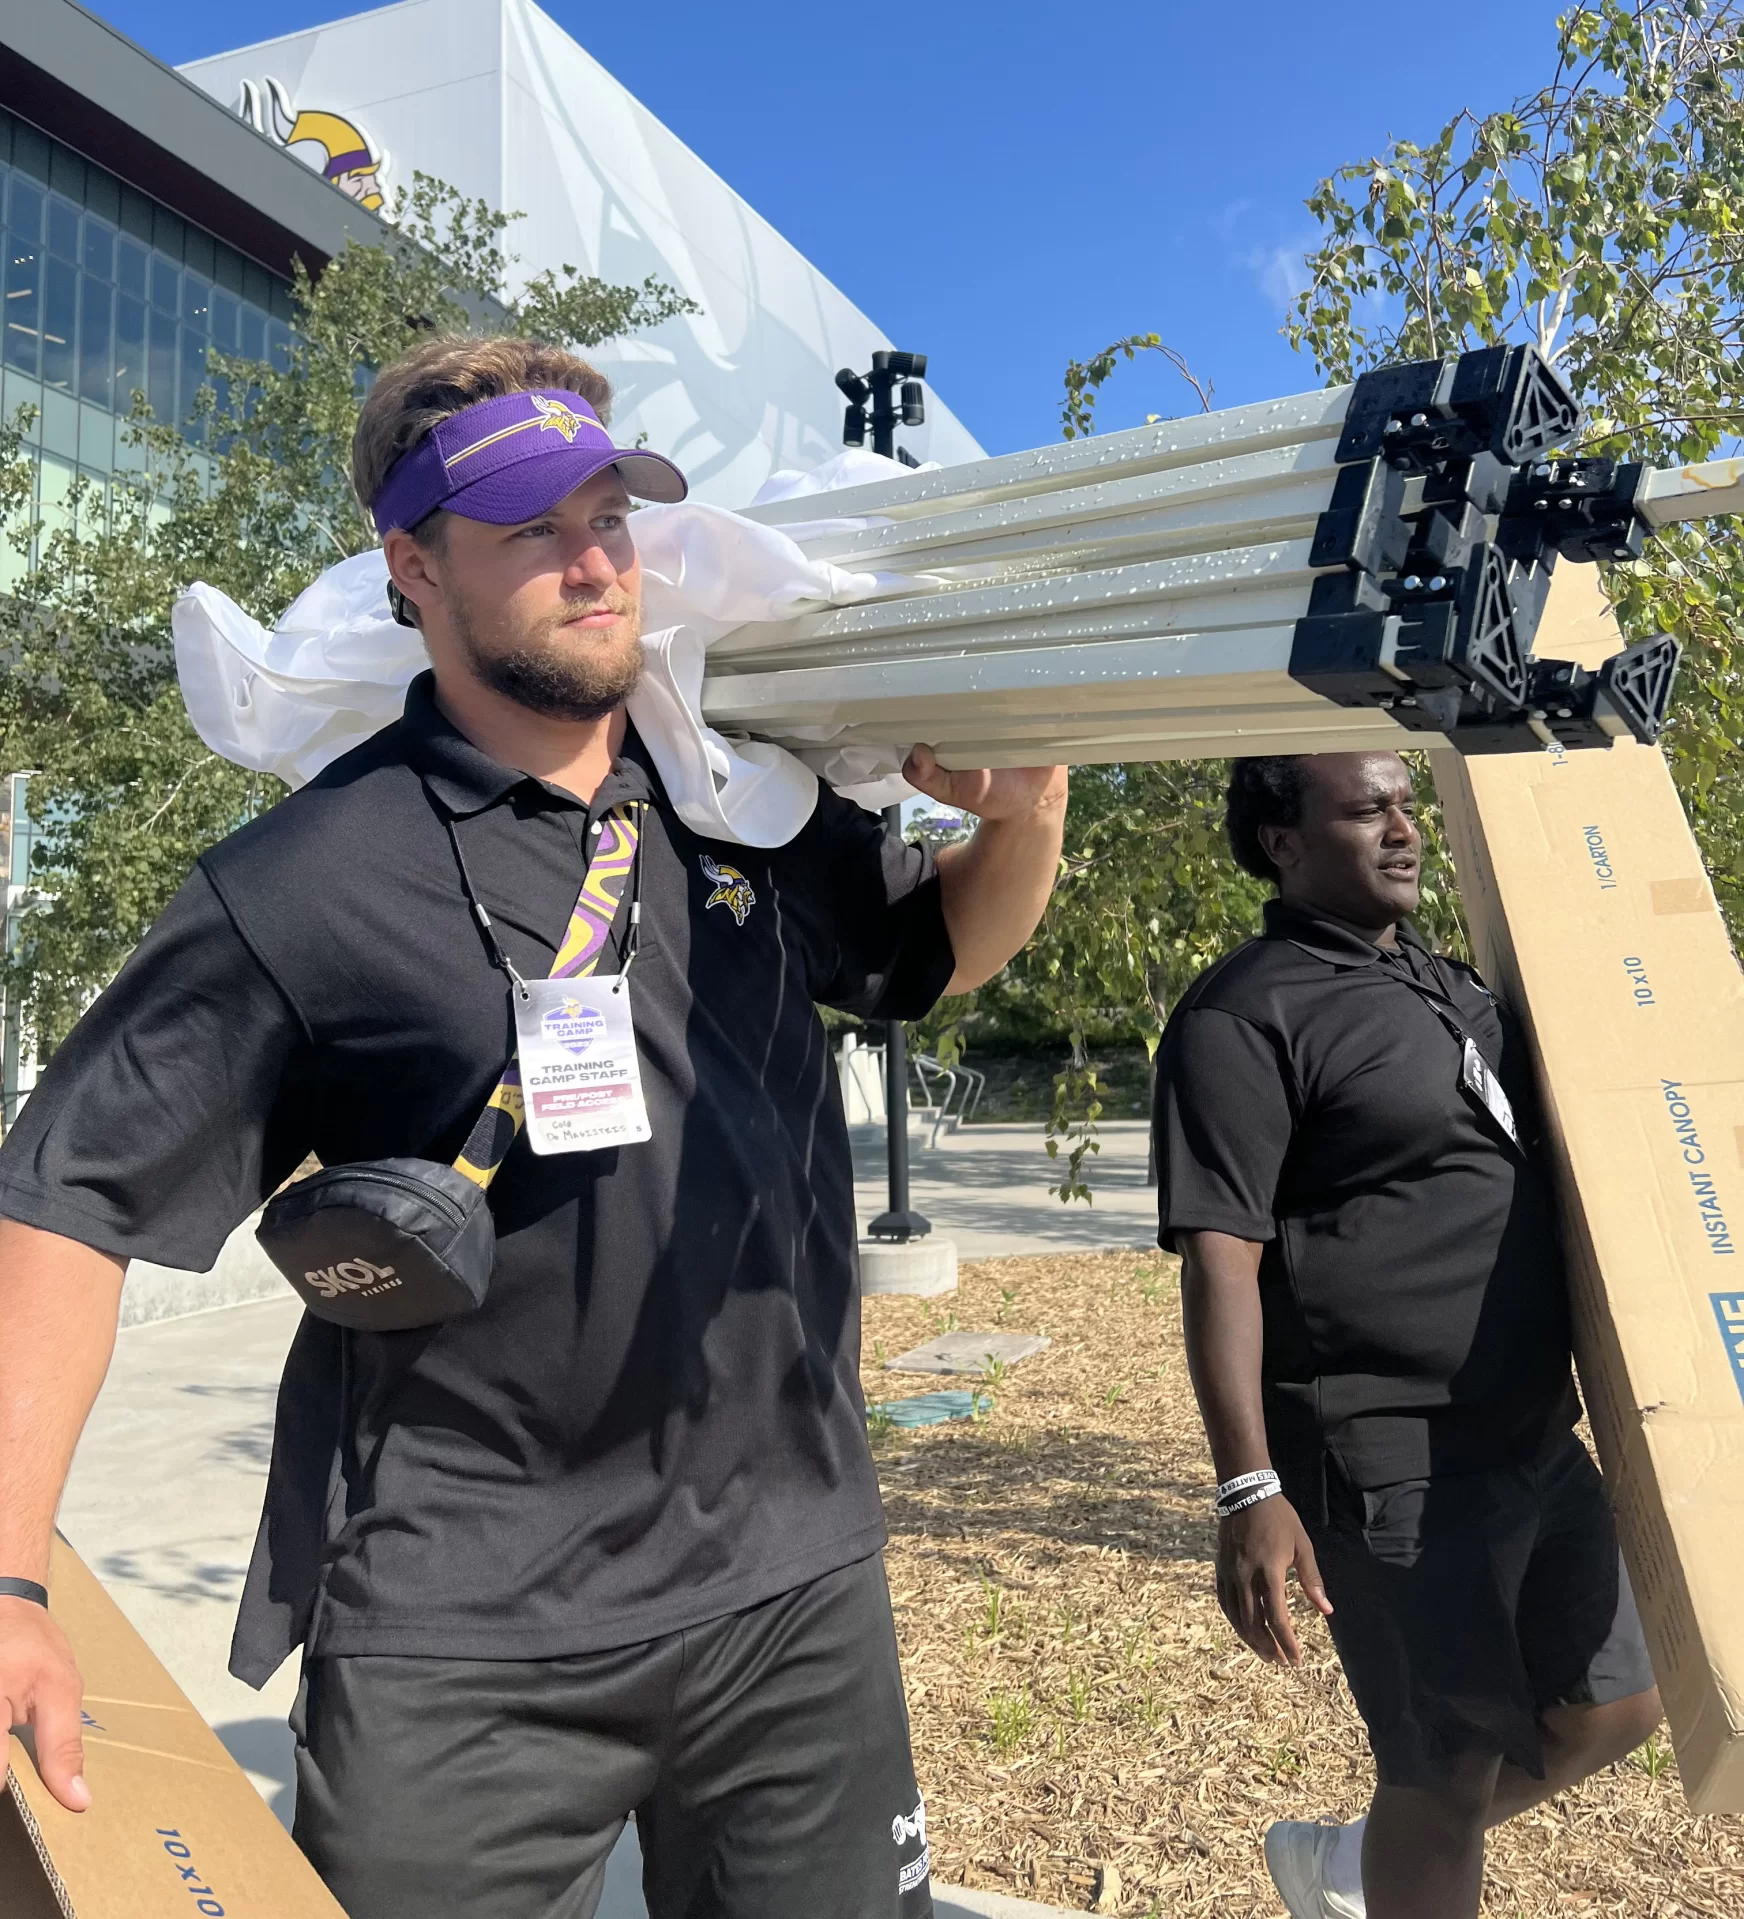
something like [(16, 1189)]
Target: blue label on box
[(1729, 1311)]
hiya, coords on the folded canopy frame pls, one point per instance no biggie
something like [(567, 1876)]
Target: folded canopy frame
[(1362, 566)]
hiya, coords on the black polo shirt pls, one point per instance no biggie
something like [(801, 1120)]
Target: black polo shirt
[(1310, 1097), (655, 1417)]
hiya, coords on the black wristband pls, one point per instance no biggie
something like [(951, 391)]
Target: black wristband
[(23, 1589)]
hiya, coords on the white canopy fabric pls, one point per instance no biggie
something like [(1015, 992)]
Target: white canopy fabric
[(335, 667)]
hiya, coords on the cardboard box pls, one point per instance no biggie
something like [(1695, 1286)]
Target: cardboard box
[(1591, 912), (175, 1831)]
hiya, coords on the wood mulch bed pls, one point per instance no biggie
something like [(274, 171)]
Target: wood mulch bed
[(1079, 1703)]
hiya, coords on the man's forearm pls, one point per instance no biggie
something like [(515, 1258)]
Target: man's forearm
[(1225, 1335), (996, 888), (1256, 1546), (59, 1302)]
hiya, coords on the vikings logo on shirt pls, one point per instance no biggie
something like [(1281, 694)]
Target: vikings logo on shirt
[(732, 889)]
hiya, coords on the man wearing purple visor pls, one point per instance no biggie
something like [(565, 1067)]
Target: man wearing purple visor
[(511, 459), (610, 1543)]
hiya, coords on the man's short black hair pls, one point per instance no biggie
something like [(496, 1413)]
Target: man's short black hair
[(1265, 791)]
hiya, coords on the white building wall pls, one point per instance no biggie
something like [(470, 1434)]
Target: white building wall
[(492, 96)]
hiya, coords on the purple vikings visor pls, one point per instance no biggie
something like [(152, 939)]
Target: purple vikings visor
[(511, 459)]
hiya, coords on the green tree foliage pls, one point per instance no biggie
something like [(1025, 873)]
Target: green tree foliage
[(1084, 378), (1148, 897), (128, 793), (1603, 218)]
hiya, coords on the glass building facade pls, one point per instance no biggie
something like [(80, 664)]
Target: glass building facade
[(107, 292)]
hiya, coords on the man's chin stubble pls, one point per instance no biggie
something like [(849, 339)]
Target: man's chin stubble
[(552, 686), (562, 676)]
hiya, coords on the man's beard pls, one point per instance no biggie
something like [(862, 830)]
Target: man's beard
[(553, 668)]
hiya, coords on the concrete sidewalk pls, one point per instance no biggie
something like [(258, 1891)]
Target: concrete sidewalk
[(242, 1272), (162, 1502), (987, 1187), (163, 1499)]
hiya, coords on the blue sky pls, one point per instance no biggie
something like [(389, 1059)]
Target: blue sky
[(1014, 185)]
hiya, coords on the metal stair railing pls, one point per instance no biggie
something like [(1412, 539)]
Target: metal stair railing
[(964, 1085)]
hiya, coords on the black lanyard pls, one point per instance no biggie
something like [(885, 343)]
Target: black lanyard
[(1443, 1005), (632, 933)]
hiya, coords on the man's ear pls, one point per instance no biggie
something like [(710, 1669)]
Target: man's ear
[(1278, 843), (410, 570)]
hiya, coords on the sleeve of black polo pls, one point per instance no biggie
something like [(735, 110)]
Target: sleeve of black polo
[(892, 953), (157, 1127), (1222, 1126)]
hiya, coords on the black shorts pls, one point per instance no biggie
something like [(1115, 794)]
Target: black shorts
[(764, 1755), (1466, 1604)]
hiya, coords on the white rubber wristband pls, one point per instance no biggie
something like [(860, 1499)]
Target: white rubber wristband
[(1242, 1481), (1229, 1509)]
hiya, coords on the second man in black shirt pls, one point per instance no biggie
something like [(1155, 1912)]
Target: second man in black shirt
[(1377, 1329)]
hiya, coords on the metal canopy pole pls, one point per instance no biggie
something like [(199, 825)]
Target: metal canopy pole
[(890, 373), (1358, 568)]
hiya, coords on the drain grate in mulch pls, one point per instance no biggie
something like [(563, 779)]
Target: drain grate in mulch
[(928, 1409)]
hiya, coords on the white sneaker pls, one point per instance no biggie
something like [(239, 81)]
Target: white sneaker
[(1299, 1858)]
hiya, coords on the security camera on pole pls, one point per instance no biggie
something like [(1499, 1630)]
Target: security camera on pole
[(898, 1255)]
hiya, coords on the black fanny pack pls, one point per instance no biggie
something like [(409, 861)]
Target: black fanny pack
[(389, 1244), (386, 1245)]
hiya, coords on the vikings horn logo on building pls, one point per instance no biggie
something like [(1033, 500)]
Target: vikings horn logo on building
[(344, 155), (732, 889)]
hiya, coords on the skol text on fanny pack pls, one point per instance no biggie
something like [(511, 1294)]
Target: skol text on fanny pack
[(389, 1244)]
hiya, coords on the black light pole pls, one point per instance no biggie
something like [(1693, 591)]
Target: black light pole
[(892, 373)]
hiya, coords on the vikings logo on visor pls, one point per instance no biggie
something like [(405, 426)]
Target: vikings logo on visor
[(513, 458)]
